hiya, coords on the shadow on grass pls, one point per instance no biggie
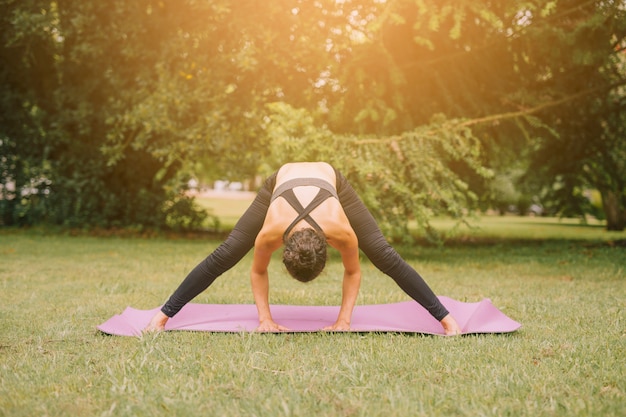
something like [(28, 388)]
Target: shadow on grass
[(490, 241), (507, 250), (562, 224)]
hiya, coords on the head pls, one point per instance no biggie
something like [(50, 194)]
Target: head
[(305, 254)]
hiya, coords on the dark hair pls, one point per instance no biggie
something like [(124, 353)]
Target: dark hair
[(305, 254)]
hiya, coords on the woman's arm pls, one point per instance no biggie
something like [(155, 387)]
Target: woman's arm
[(351, 283), (259, 281)]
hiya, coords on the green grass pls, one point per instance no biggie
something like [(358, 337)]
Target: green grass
[(227, 210), (563, 281)]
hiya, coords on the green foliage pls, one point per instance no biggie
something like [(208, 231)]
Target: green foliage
[(105, 106), (115, 134), (26, 85), (578, 47), (182, 214), (401, 178)]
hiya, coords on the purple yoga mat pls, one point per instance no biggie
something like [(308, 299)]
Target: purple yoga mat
[(407, 316)]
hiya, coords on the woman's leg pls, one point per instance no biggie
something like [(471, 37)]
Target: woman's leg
[(381, 254), (236, 246)]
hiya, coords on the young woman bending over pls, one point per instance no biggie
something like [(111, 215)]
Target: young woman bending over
[(304, 207)]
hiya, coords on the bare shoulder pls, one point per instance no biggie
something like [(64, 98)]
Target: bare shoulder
[(339, 233), (271, 234), (268, 239)]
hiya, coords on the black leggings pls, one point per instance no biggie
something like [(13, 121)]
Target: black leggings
[(371, 242)]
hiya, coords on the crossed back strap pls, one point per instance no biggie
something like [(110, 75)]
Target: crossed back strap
[(304, 212)]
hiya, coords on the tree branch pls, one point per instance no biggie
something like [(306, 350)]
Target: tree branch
[(501, 116), (537, 109)]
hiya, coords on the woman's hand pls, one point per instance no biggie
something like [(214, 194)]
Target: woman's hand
[(271, 326), (450, 326), (157, 323)]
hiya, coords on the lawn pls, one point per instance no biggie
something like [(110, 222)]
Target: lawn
[(227, 210), (565, 283)]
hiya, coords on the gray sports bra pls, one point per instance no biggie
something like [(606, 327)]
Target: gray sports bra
[(285, 190)]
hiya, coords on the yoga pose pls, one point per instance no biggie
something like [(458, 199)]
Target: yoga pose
[(305, 206)]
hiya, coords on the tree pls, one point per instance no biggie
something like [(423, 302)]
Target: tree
[(584, 71), (541, 80), (82, 71), (418, 101), (27, 85)]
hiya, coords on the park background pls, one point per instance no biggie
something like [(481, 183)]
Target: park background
[(488, 138)]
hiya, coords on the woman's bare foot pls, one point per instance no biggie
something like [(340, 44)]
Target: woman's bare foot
[(450, 326)]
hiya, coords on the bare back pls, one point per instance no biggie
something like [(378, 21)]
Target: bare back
[(329, 214)]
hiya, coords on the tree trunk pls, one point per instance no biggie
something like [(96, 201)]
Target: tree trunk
[(614, 211)]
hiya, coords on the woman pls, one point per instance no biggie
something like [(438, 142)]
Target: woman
[(305, 205)]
